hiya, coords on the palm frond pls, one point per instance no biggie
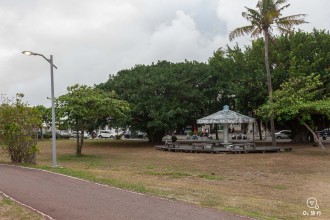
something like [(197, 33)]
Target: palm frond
[(283, 7), (290, 21), (241, 31), (256, 32), (278, 5), (293, 18), (251, 15), (280, 2), (266, 16), (284, 30)]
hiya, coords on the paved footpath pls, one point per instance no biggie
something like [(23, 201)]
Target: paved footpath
[(62, 197)]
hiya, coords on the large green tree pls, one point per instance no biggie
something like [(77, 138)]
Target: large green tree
[(83, 106), (299, 98), (301, 53), (165, 96), (263, 19)]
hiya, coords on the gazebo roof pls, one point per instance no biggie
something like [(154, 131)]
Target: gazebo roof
[(225, 116)]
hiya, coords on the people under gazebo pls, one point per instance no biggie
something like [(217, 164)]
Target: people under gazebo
[(226, 117)]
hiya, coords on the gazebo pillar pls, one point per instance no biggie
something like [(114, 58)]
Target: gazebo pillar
[(225, 133), (225, 127)]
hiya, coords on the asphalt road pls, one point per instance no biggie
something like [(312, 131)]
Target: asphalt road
[(63, 197)]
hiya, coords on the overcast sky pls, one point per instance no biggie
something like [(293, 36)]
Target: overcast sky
[(92, 39)]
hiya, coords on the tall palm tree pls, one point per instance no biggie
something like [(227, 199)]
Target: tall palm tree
[(266, 16)]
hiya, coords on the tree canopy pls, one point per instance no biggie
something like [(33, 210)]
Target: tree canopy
[(83, 107), (299, 98), (165, 96)]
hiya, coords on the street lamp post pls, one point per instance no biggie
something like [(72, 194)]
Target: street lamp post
[(50, 60)]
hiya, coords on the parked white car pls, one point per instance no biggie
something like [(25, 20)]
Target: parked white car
[(284, 134), (106, 134)]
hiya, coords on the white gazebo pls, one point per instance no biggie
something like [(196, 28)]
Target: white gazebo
[(225, 117)]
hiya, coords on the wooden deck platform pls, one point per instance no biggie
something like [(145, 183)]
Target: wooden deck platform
[(200, 148)]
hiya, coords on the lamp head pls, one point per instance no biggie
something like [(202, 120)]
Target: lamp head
[(28, 53)]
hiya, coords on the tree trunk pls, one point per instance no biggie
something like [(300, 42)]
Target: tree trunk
[(156, 137), (302, 136), (78, 146), (81, 140), (316, 137), (269, 83), (78, 140)]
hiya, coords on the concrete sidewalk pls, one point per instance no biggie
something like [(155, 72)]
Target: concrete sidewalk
[(63, 197)]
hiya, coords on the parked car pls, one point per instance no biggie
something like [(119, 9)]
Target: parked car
[(284, 134), (324, 133), (141, 135), (74, 134), (106, 134), (134, 134), (64, 134), (127, 134), (47, 135)]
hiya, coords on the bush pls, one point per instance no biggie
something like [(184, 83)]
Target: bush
[(19, 124)]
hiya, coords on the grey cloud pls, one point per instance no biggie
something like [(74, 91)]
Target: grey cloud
[(91, 39)]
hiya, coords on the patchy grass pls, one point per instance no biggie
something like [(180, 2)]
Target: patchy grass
[(280, 187), (262, 186), (9, 210), (211, 176), (171, 174)]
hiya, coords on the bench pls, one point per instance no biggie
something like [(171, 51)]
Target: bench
[(170, 144), (198, 145), (244, 145), (202, 146), (239, 145)]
